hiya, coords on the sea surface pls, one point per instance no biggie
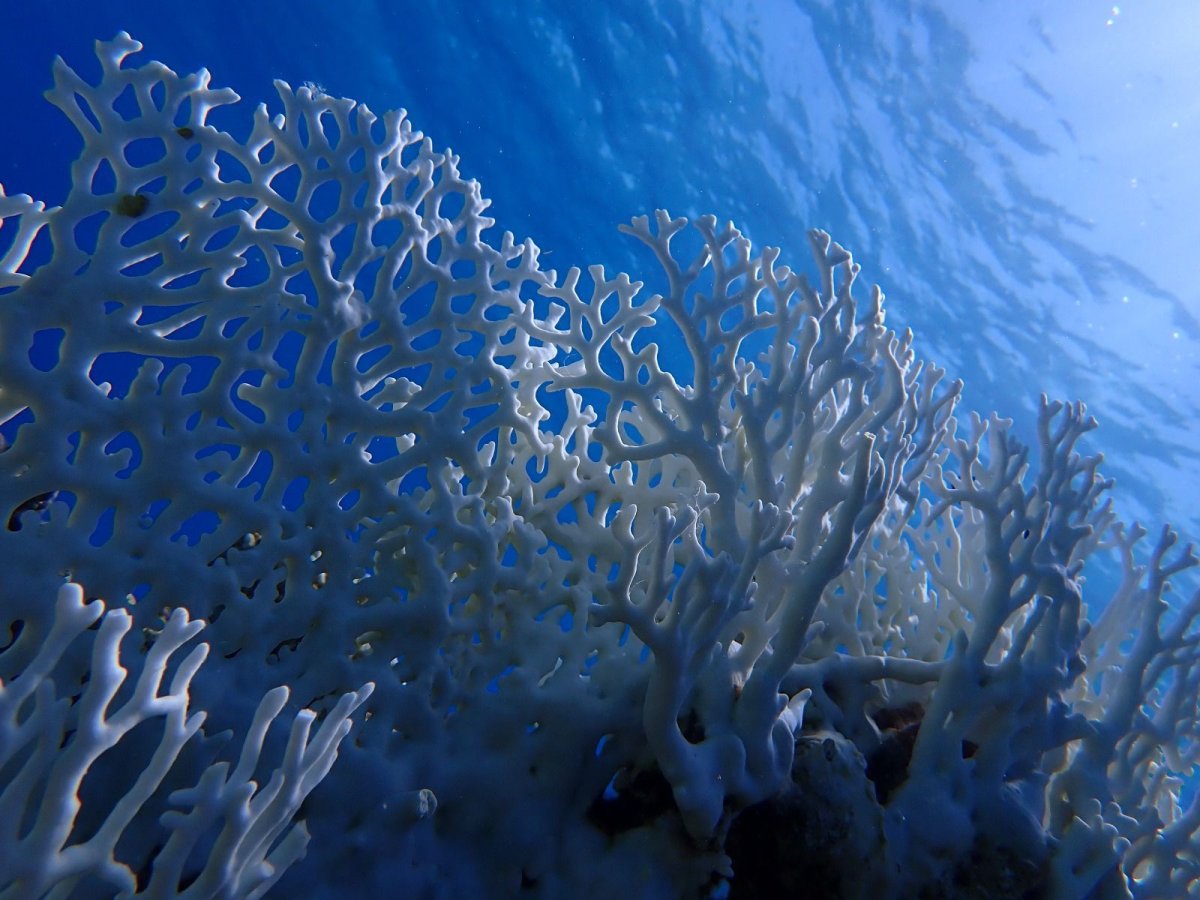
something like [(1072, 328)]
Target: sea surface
[(1021, 182)]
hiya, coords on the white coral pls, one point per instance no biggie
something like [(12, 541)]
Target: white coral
[(50, 743), (287, 385)]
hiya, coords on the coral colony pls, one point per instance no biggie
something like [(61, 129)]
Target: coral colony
[(288, 441)]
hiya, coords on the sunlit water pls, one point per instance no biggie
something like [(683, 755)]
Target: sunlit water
[(1022, 184)]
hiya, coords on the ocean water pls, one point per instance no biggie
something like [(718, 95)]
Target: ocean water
[(1020, 182)]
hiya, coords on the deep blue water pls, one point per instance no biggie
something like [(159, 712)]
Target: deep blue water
[(1019, 182)]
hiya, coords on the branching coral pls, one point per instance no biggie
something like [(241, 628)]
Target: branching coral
[(285, 385), (49, 745)]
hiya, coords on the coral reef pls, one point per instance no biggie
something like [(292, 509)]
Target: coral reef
[(601, 618)]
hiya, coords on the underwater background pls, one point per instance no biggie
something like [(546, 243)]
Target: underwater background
[(1020, 178)]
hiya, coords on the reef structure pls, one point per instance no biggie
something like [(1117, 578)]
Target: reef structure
[(598, 622)]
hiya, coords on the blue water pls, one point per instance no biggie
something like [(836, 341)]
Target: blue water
[(1020, 183)]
